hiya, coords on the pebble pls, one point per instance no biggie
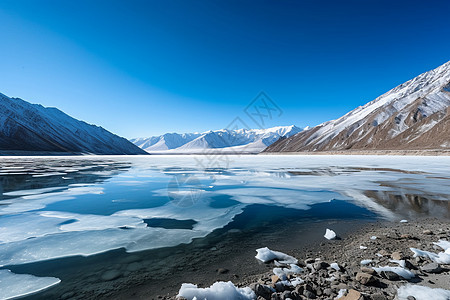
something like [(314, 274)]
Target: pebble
[(111, 275), (431, 268)]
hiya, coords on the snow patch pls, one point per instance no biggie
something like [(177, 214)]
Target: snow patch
[(218, 291)]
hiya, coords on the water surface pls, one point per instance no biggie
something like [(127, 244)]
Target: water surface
[(101, 224)]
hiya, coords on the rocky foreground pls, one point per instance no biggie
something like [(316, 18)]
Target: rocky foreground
[(349, 268)]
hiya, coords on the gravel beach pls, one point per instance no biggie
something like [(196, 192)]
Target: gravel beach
[(375, 244)]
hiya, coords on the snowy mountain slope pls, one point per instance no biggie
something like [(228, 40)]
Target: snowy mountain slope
[(224, 140), (32, 127), (402, 118)]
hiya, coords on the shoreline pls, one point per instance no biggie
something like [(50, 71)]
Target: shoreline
[(393, 242), (431, 152)]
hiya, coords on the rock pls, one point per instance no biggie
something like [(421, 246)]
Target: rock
[(286, 295), (111, 275), (383, 252), (309, 260), (275, 296), (409, 265), (352, 295), (274, 278), (378, 297), (67, 295), (397, 255), (410, 298), (427, 232), (261, 290), (320, 265), (328, 292), (368, 270), (134, 266), (389, 275), (431, 268), (222, 271), (365, 279), (309, 294)]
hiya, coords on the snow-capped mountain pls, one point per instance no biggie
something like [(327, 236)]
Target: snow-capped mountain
[(224, 141), (414, 115), (34, 128)]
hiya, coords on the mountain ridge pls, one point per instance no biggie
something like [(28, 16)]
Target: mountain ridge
[(413, 115), (223, 140), (33, 128)]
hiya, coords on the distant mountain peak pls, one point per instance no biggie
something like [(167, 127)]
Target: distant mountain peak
[(225, 140), (413, 115)]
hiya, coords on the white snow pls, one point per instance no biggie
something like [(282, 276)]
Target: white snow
[(218, 291), (403, 221), (422, 293), (405, 273), (18, 285), (362, 247), (330, 234), (373, 237), (267, 255)]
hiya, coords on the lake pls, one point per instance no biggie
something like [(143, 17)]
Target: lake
[(95, 226)]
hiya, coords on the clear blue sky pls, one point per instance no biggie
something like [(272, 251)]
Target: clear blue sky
[(141, 68)]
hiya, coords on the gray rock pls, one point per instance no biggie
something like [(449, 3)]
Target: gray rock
[(410, 298), (261, 290), (222, 271), (378, 297), (365, 279), (320, 265), (309, 294), (134, 266), (431, 268), (286, 295), (368, 270), (111, 275), (389, 275)]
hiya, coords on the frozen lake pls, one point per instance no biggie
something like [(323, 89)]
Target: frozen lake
[(70, 224)]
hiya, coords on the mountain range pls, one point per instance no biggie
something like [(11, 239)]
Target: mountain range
[(27, 128), (413, 116), (223, 141)]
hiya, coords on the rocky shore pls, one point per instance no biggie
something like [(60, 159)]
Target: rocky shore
[(375, 263)]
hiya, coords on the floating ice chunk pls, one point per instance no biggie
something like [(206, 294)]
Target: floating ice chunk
[(282, 273), (218, 291), (366, 261), (402, 272), (330, 234), (266, 255), (403, 221), (441, 257), (18, 285), (362, 247), (422, 293), (373, 237)]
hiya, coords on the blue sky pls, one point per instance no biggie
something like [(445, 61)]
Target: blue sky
[(141, 68)]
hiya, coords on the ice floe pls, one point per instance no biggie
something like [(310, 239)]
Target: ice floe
[(218, 291), (18, 285)]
